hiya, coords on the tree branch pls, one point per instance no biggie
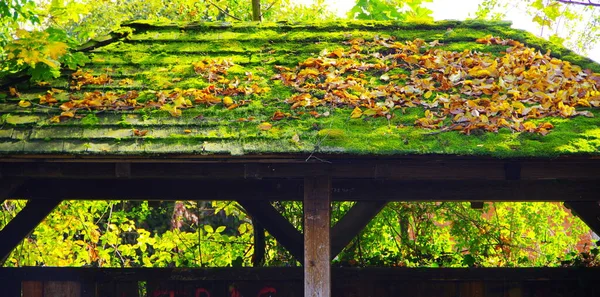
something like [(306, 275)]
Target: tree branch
[(581, 2), (223, 10)]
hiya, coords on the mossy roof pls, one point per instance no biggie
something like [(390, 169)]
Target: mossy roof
[(239, 89)]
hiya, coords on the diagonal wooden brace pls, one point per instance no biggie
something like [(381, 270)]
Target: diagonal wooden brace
[(26, 220), (278, 226), (588, 211), (356, 219)]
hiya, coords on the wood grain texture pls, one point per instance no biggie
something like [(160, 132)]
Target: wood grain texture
[(317, 241)]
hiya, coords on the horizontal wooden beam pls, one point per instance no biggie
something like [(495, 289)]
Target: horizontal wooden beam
[(400, 168), (292, 189), (8, 186), (296, 273)]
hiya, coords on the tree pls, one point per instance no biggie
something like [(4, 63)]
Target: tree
[(573, 26), (581, 2)]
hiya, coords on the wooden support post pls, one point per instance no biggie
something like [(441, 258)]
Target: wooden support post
[(258, 258), (317, 243), (26, 220), (356, 219), (278, 226)]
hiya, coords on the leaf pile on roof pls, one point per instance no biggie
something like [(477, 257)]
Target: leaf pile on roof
[(459, 90)]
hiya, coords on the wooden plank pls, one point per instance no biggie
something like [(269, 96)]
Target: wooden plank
[(416, 167), (62, 289), (160, 189), (471, 289), (512, 275), (26, 220), (317, 241), (278, 226), (11, 289), (588, 211), (356, 219), (8, 186), (280, 189), (32, 289)]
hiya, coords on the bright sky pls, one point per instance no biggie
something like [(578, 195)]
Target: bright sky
[(457, 10)]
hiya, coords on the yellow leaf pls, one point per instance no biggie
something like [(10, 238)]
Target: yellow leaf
[(55, 119), (428, 94), (171, 109), (24, 103), (67, 114), (227, 101), (265, 126), (356, 113)]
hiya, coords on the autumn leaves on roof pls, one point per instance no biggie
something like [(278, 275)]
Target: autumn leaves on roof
[(366, 88)]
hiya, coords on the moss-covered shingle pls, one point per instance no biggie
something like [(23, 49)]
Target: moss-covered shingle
[(157, 88)]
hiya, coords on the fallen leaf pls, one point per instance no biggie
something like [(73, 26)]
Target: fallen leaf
[(140, 133), (24, 103), (264, 126), (356, 113)]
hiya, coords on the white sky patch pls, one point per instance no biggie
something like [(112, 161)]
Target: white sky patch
[(457, 10)]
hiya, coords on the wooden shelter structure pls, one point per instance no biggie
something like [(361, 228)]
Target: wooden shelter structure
[(165, 109)]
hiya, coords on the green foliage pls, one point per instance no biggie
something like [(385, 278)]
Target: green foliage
[(382, 10), (574, 26), (40, 54), (219, 233)]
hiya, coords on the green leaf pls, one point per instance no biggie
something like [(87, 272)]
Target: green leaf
[(209, 229)]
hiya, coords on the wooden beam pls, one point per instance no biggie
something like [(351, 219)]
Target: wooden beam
[(292, 189), (8, 186), (588, 211), (90, 274), (317, 242), (278, 226), (26, 220), (259, 167), (356, 219), (258, 258)]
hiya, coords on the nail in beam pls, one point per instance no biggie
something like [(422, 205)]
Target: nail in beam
[(317, 243)]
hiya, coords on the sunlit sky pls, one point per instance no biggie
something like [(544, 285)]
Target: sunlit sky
[(457, 10)]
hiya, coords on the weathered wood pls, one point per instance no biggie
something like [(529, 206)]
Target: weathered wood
[(25, 221), (8, 186), (588, 211), (352, 223), (258, 257), (32, 289), (286, 166), (471, 289), (278, 226), (11, 289), (514, 275), (317, 241), (62, 289), (291, 189)]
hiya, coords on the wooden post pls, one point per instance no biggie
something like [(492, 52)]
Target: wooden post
[(317, 243)]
